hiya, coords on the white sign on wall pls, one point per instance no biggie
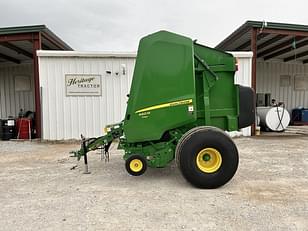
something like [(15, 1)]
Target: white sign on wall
[(83, 85)]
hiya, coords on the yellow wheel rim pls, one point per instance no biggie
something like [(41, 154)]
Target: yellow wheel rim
[(209, 160), (136, 165)]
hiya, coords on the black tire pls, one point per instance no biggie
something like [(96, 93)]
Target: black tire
[(201, 138), (139, 170)]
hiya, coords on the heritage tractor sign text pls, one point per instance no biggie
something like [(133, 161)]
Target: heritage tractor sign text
[(83, 85)]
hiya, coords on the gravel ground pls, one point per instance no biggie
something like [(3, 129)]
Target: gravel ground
[(39, 191)]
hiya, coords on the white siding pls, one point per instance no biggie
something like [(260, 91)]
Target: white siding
[(243, 76), (66, 117), (268, 81), (12, 101)]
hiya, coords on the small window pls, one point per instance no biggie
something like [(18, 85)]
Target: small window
[(285, 80), (22, 83), (300, 82)]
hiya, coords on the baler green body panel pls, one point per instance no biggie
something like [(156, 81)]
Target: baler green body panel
[(163, 87), (177, 82)]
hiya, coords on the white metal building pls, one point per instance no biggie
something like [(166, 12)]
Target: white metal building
[(66, 116)]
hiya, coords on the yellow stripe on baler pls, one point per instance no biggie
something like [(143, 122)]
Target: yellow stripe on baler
[(164, 105)]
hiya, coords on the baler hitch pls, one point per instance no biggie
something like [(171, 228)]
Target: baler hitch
[(103, 143)]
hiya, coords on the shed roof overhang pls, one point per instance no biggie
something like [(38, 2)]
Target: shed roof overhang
[(20, 44), (279, 41), (16, 43)]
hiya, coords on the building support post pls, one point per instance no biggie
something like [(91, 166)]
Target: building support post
[(253, 47), (37, 44)]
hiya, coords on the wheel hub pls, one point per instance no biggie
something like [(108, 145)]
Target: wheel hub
[(209, 160), (136, 165)]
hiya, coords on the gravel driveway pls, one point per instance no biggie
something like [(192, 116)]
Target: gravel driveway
[(39, 191)]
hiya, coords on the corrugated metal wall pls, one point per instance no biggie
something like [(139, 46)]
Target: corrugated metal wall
[(66, 117), (12, 101), (268, 81)]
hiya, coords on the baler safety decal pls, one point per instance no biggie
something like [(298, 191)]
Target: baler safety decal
[(164, 105)]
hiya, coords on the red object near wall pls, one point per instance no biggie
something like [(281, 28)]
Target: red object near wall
[(24, 128)]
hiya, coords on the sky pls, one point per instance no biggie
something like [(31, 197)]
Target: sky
[(118, 25)]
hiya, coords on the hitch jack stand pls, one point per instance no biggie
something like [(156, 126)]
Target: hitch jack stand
[(86, 168)]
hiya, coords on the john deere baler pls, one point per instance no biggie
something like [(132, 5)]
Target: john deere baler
[(181, 101)]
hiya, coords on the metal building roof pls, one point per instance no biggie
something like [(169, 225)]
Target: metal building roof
[(16, 43), (283, 41), (82, 54)]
